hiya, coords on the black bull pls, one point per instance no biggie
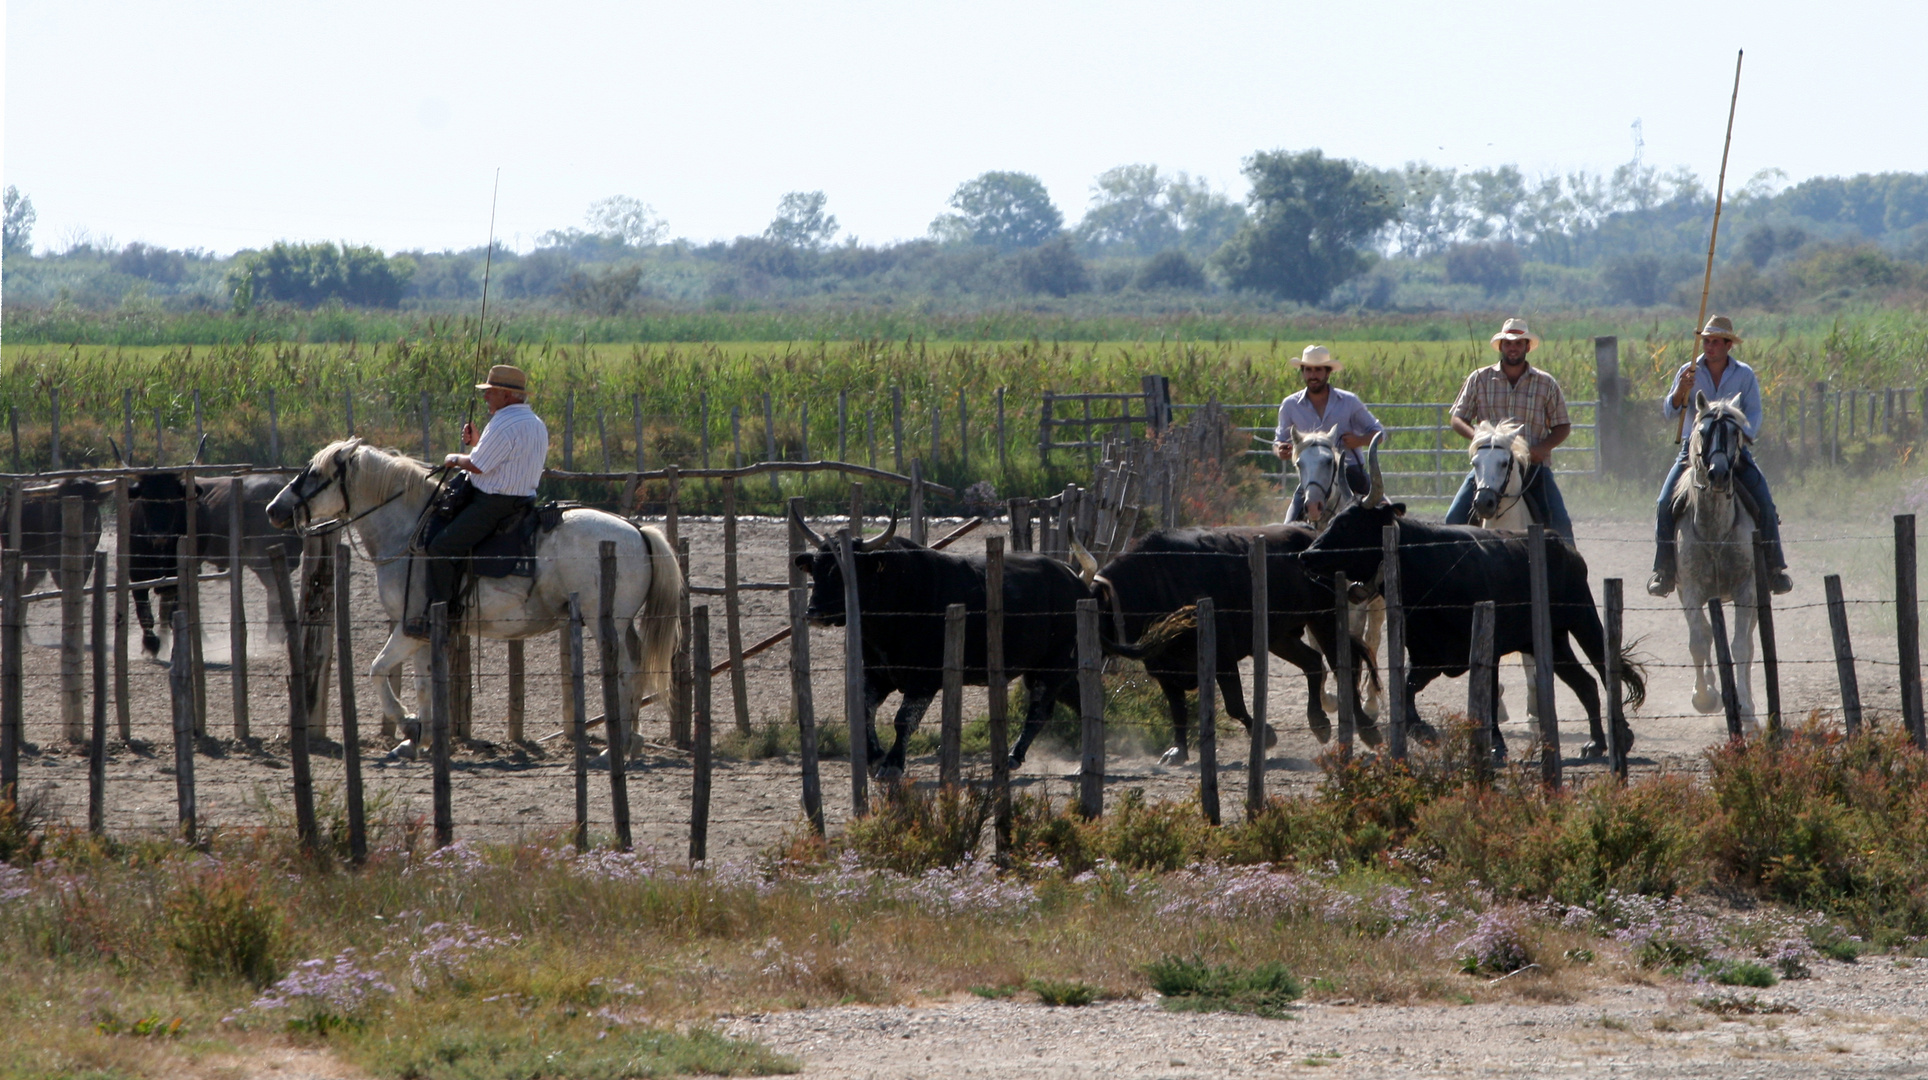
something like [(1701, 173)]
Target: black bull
[(1171, 570), (902, 592), (40, 527), (158, 519), (1444, 570)]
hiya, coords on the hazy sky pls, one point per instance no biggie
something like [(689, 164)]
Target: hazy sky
[(226, 125)]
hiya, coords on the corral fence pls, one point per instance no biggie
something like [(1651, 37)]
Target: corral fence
[(322, 634)]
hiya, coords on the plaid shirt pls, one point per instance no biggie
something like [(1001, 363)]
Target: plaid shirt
[(1535, 400)]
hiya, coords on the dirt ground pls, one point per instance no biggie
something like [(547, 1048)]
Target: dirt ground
[(505, 790)]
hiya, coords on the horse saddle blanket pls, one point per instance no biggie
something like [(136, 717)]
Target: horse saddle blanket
[(510, 551)]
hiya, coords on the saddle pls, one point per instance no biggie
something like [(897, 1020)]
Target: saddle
[(510, 551)]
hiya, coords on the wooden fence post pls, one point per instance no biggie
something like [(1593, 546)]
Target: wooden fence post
[(1208, 708), (704, 729), (1395, 639), (918, 531), (439, 723), (317, 630), (1843, 654), (733, 613), (123, 594), (1345, 679), (350, 720), (1480, 678), (73, 620), (856, 708), (1616, 716), (567, 669), (950, 768), (181, 689), (802, 697), (996, 687), (185, 567), (1543, 655), (1606, 411), (237, 615), (1724, 664), (189, 596), (1261, 614), (1091, 713), (518, 666), (682, 668), (298, 765), (12, 623), (576, 691), (1908, 629), (97, 745), (615, 725), (461, 681), (1770, 650)]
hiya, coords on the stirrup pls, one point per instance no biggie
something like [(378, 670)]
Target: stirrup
[(416, 628)]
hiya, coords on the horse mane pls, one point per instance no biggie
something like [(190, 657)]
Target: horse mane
[(1329, 438), (1505, 433), (383, 470)]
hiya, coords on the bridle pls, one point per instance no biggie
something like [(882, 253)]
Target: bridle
[(1325, 485), (347, 517), (1506, 479), (1716, 434)]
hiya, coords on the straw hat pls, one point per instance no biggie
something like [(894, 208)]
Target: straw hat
[(1316, 356), (1515, 330), (1721, 326), (504, 377)]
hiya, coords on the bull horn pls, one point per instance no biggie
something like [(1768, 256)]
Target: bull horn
[(119, 455), (1087, 566), (198, 449), (1376, 496), (815, 540), (889, 534)]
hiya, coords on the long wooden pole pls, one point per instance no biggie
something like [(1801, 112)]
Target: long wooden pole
[(1208, 709), (350, 720), (1261, 651), (803, 702), (1720, 193)]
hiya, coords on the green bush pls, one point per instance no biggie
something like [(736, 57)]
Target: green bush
[(919, 829), (1053, 992), (1740, 973), (1192, 985), (223, 924)]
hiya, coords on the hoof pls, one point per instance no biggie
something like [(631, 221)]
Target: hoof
[(1593, 750), (1329, 703), (1706, 700), (1174, 755), (1321, 728), (1015, 761), (1369, 734), (889, 773), (1423, 732), (1271, 736), (406, 750)]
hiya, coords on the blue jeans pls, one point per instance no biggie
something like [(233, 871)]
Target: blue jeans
[(1544, 503), (1749, 476)]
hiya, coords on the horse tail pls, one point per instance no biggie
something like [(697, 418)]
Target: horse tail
[(662, 626), (1592, 638), (1633, 676)]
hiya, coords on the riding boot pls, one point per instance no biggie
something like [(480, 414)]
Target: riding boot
[(1665, 568)]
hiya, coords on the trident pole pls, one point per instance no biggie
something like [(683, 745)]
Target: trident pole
[(482, 323), (1720, 192)]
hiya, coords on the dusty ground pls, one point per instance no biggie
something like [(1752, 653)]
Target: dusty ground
[(1866, 1020)]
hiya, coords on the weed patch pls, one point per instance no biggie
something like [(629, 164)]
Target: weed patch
[(1056, 993), (1191, 985), (222, 924)]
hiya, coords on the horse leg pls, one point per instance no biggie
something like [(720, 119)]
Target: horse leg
[(1568, 668), (910, 713), (1294, 650), (1037, 710), (1374, 618), (1319, 704), (1700, 638), (396, 652), (1532, 672), (631, 688), (1743, 654), (1177, 753), (874, 695), (277, 630), (1416, 680)]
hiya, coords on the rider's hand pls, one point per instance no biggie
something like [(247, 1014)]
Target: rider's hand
[(1686, 392), (1283, 450), (1539, 453), (468, 434)]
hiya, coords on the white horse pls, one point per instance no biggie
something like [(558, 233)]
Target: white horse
[(1322, 493), (383, 494), (1715, 555), (1500, 465)]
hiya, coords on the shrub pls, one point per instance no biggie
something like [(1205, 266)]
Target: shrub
[(920, 829), (1192, 985), (1740, 973), (22, 828), (1497, 944), (1074, 994), (222, 924), (1040, 833), (1152, 836), (1171, 270)]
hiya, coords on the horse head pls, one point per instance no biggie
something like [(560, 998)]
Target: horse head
[(1720, 435), (1320, 457), (1499, 456), (318, 491)]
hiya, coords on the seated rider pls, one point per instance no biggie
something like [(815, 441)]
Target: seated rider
[(1718, 374), (1321, 406), (506, 464), (1514, 389)]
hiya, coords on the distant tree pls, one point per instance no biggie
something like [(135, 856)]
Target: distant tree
[(1171, 270), (308, 275), (156, 264), (19, 223), (1493, 267), (1138, 210), (1053, 268), (1641, 279), (1004, 210), (606, 293), (1763, 242), (541, 273), (801, 222), (1309, 217), (632, 221)]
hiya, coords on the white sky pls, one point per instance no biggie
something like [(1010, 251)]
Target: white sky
[(226, 125)]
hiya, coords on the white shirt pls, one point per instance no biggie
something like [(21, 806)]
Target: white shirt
[(1343, 410), (511, 452)]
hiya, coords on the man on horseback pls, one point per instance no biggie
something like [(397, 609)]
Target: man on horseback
[(1514, 389), (1320, 407), (506, 463), (1718, 374)]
